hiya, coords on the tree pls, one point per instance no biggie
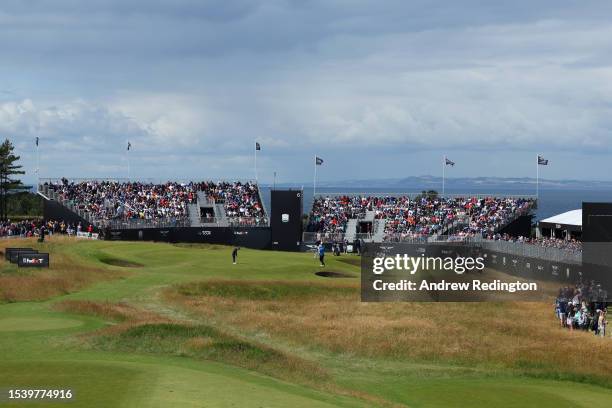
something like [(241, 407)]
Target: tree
[(8, 169), (431, 194)]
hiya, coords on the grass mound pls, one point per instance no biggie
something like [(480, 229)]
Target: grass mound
[(262, 290), (205, 342), (107, 310), (69, 272), (142, 331)]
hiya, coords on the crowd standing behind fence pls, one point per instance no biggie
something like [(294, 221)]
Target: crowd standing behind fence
[(32, 228)]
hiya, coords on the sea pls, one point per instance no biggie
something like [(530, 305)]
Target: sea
[(551, 201)]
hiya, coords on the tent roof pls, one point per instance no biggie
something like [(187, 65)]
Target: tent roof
[(573, 217)]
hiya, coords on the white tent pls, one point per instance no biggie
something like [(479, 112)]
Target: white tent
[(566, 225), (573, 218)]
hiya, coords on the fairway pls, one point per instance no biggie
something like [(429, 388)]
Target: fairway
[(34, 323), (158, 325)]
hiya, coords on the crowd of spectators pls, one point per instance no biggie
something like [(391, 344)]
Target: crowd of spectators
[(417, 217), (24, 228), (108, 200), (572, 244), (331, 214), (422, 216), (31, 228), (133, 200), (583, 307), (241, 201)]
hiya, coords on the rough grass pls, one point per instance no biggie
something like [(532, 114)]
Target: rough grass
[(67, 273), (208, 343), (120, 312), (523, 337), (142, 331), (276, 317), (264, 290)]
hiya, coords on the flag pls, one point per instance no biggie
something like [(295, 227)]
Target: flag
[(448, 162), (542, 161), (37, 141), (129, 146), (257, 146), (318, 161)]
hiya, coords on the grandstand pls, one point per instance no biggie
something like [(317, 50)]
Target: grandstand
[(129, 204), (400, 217), (233, 212)]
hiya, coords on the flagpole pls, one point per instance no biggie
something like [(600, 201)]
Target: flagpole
[(256, 179), (127, 154), (314, 184), (443, 174), (538, 177), (37, 159)]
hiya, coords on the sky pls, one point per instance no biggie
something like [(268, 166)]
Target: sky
[(378, 89)]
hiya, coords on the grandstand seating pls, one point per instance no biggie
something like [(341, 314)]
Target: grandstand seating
[(421, 216), (171, 203)]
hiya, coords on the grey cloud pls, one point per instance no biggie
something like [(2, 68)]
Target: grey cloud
[(199, 77)]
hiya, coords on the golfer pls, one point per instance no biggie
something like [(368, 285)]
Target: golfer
[(235, 254), (322, 254)]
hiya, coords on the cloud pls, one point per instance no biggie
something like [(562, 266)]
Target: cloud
[(198, 82)]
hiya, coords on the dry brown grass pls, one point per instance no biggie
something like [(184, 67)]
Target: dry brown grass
[(521, 336), (120, 312), (66, 274), (139, 330)]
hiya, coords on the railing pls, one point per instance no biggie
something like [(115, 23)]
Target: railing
[(420, 193), (531, 250), (309, 237), (507, 247), (207, 200), (408, 238), (60, 180), (140, 223), (247, 222), (209, 220)]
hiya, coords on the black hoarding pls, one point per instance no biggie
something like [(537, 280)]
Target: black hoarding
[(286, 219), (15, 254), (250, 237), (32, 260), (597, 244), (9, 251)]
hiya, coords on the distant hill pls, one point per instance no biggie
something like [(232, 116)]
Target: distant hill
[(435, 182)]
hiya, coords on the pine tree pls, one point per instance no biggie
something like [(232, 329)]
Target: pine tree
[(8, 169)]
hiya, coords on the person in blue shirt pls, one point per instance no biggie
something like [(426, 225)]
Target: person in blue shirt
[(322, 254)]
